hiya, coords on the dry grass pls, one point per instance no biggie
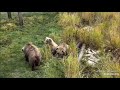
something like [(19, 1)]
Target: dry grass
[(71, 63), (105, 33)]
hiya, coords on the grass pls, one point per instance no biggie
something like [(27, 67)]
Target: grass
[(105, 34), (72, 66), (61, 28), (12, 39)]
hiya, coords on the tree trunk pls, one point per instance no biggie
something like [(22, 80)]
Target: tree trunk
[(9, 15), (20, 18)]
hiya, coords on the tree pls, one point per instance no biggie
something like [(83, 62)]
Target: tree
[(20, 18), (9, 15)]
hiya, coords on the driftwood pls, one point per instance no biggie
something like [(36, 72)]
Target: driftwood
[(81, 52), (91, 55)]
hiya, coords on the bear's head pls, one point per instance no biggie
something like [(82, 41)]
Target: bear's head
[(28, 45), (60, 52), (48, 40)]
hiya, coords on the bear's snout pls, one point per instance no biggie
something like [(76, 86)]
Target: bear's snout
[(23, 49)]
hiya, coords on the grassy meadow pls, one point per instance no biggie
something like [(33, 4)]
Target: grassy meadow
[(61, 27)]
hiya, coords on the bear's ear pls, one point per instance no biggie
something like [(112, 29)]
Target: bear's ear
[(56, 48), (49, 40), (30, 43)]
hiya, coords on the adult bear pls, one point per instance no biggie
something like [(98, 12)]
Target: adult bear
[(32, 55)]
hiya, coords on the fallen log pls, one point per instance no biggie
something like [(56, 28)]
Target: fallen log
[(81, 52)]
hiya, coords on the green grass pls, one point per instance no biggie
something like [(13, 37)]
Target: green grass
[(12, 39)]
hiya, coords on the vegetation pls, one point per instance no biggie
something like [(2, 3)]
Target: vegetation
[(103, 34)]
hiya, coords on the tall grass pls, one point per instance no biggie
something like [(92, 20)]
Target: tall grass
[(104, 34), (104, 31), (46, 52), (115, 34), (68, 19), (108, 67), (72, 66)]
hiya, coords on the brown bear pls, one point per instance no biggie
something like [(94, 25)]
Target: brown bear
[(62, 50), (32, 55), (52, 45)]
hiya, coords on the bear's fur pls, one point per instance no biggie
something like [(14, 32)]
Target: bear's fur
[(52, 45), (62, 50), (32, 55)]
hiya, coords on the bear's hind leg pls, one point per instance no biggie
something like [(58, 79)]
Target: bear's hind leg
[(26, 57), (33, 66), (37, 61)]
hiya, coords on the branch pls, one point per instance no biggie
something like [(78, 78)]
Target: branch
[(81, 52)]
